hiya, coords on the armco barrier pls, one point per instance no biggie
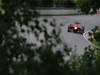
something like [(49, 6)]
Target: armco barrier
[(58, 11)]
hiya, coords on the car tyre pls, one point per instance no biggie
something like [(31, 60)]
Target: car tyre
[(69, 30)]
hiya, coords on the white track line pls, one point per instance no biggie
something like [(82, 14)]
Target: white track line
[(87, 39)]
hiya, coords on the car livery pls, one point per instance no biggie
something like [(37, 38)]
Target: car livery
[(76, 28)]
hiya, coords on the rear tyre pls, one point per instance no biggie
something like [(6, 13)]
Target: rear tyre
[(82, 31), (69, 30)]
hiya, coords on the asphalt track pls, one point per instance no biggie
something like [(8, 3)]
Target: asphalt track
[(76, 41)]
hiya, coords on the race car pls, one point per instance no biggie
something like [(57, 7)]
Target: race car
[(76, 28)]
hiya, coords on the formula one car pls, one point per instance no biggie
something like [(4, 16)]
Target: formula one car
[(76, 28)]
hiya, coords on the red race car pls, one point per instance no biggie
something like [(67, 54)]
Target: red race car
[(76, 28)]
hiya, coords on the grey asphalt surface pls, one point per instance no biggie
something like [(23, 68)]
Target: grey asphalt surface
[(76, 41)]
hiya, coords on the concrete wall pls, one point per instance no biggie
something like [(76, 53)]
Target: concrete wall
[(58, 11)]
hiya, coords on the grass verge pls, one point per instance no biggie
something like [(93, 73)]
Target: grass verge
[(96, 43)]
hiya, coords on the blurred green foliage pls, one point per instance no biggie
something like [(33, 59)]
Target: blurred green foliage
[(87, 5), (17, 58)]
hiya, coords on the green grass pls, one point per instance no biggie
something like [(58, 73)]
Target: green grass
[(95, 40), (0, 3), (62, 14), (96, 43)]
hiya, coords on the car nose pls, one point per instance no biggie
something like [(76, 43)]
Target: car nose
[(75, 27)]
